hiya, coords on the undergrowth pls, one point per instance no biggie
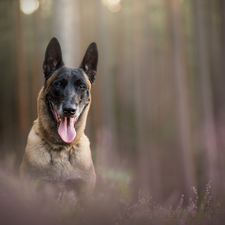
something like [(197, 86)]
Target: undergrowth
[(21, 205)]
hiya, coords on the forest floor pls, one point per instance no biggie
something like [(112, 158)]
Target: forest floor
[(20, 205)]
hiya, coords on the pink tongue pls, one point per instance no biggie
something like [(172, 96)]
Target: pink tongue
[(66, 129)]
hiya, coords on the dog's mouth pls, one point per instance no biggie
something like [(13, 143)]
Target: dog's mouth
[(66, 129)]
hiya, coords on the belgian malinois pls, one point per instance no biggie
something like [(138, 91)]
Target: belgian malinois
[(57, 149)]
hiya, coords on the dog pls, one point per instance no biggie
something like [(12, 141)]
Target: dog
[(57, 150)]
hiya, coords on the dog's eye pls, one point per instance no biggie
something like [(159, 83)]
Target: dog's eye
[(59, 84), (81, 86)]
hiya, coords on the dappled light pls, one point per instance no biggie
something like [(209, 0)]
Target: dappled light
[(29, 6), (113, 5)]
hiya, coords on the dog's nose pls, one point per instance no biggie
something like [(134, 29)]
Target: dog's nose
[(69, 110)]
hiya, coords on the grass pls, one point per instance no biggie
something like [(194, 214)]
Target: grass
[(21, 205)]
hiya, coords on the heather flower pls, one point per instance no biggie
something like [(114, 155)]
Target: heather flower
[(192, 208), (194, 189), (207, 198), (179, 207), (107, 208)]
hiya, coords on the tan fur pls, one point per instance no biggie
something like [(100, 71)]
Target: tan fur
[(46, 158)]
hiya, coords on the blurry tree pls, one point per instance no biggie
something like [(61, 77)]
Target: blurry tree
[(203, 69), (143, 143), (37, 59), (66, 27), (106, 133), (21, 71), (181, 91)]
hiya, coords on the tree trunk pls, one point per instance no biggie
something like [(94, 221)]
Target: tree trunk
[(181, 98), (66, 28), (208, 124), (21, 72), (106, 135), (37, 74), (142, 142)]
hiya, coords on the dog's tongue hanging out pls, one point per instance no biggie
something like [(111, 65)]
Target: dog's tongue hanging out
[(66, 129)]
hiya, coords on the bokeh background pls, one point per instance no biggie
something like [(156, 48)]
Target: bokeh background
[(157, 120)]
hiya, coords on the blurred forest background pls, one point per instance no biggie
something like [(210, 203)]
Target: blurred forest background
[(157, 120)]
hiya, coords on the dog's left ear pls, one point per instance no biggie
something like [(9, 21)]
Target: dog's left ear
[(90, 61)]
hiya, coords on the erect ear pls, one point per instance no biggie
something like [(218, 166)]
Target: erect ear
[(90, 61), (53, 58)]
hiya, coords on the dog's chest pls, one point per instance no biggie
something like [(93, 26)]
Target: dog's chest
[(65, 165)]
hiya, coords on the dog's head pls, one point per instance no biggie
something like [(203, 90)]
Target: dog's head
[(67, 90)]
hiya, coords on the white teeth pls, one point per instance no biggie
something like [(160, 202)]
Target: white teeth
[(59, 118)]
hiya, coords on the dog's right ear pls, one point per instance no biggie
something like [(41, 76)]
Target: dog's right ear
[(53, 58)]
